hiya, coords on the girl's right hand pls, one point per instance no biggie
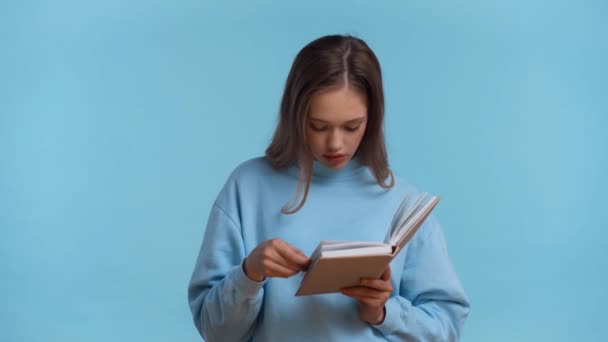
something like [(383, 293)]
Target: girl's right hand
[(274, 258)]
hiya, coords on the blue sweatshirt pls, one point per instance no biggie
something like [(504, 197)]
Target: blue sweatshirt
[(428, 302)]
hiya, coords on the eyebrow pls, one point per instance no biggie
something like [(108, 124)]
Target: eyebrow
[(347, 122)]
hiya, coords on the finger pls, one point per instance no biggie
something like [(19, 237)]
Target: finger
[(298, 253), (274, 256), (377, 284), (365, 299), (387, 274), (295, 249), (290, 253), (276, 270), (368, 301), (359, 296), (361, 291), (289, 264)]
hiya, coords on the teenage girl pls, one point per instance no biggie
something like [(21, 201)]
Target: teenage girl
[(325, 176)]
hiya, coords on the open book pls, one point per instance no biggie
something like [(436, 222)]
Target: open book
[(339, 264)]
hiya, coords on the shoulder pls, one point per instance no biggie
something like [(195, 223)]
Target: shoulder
[(247, 171), (251, 168), (244, 181)]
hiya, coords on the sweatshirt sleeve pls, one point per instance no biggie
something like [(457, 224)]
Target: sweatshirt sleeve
[(224, 301), (431, 304)]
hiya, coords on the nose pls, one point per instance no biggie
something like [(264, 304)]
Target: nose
[(334, 141)]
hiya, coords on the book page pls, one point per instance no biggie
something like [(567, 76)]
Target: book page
[(397, 217), (333, 245), (357, 251), (412, 224), (406, 216), (351, 245)]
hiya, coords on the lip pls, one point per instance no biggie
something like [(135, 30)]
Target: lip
[(335, 158)]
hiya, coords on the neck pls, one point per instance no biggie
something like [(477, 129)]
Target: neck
[(320, 171)]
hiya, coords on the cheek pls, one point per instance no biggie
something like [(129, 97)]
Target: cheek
[(359, 135), (314, 140)]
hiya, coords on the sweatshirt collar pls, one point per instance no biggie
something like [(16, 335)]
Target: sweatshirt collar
[(320, 171)]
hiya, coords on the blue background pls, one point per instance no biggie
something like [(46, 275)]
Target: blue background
[(120, 121)]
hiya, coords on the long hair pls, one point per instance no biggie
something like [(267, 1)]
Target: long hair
[(326, 63)]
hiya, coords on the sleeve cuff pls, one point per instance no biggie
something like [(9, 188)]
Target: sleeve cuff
[(245, 286), (394, 317)]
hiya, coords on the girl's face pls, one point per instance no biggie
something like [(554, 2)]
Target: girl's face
[(336, 123)]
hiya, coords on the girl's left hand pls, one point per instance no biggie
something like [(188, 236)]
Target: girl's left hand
[(371, 295)]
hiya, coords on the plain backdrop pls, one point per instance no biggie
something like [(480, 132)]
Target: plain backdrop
[(120, 121)]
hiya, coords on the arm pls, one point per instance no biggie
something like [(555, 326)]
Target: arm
[(224, 301), (431, 304)]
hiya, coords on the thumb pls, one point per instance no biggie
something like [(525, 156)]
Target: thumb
[(386, 275)]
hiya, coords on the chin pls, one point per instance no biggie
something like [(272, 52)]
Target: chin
[(334, 167), (337, 166)]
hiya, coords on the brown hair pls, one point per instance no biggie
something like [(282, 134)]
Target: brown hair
[(325, 63)]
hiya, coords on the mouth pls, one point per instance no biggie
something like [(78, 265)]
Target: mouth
[(334, 158)]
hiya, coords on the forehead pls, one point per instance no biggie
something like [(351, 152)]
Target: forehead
[(337, 105)]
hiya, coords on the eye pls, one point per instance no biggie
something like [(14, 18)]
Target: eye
[(352, 128), (318, 128)]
